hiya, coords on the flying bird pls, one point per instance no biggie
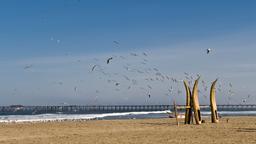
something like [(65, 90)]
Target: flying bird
[(170, 90), (145, 60), (94, 67), (28, 66), (122, 57), (109, 59), (155, 69), (95, 59), (116, 42), (143, 63), (133, 54), (134, 82), (208, 50), (126, 77), (60, 83), (144, 54), (187, 77)]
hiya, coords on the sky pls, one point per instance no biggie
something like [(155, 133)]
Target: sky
[(48, 49)]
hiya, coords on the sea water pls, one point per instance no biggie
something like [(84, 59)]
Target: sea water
[(62, 117), (123, 115)]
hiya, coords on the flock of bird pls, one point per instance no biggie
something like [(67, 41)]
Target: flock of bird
[(150, 75), (142, 70)]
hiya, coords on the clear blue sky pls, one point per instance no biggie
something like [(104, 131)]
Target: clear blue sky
[(52, 35)]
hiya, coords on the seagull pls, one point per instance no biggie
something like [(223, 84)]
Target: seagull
[(108, 60), (94, 67), (140, 71), (144, 54), (170, 90), (187, 77), (60, 83), (208, 50), (122, 57), (28, 66), (158, 74), (143, 63), (134, 82), (145, 60), (116, 42), (155, 69), (95, 59), (126, 77), (133, 54), (142, 88)]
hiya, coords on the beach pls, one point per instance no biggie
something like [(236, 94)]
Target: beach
[(230, 130)]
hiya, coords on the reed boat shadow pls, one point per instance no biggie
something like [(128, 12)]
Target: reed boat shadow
[(246, 130), (158, 124)]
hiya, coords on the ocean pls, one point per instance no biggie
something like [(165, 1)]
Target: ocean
[(46, 117)]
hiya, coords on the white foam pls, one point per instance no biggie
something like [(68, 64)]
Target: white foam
[(231, 112), (63, 117)]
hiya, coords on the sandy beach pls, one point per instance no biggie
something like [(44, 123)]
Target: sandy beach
[(238, 130)]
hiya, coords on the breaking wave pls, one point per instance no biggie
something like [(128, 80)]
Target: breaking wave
[(63, 117)]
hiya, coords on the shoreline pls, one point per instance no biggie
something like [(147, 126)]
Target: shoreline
[(110, 116), (78, 117), (238, 129)]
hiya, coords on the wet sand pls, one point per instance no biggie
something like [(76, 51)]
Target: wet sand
[(238, 130)]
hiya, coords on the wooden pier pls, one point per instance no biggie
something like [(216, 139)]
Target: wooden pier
[(79, 109)]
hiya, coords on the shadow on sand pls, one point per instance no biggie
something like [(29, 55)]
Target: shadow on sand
[(159, 124), (246, 130)]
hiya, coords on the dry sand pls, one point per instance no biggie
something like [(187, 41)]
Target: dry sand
[(239, 130)]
